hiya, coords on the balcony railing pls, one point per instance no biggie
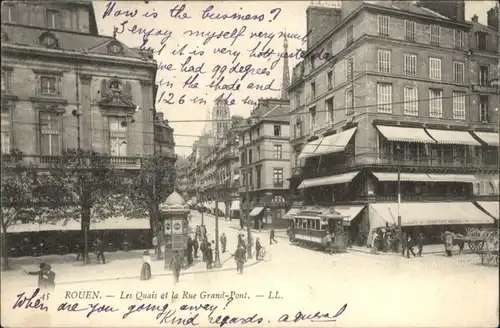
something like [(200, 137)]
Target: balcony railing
[(424, 162), (43, 161), (486, 88)]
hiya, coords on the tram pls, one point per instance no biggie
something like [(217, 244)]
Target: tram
[(310, 227)]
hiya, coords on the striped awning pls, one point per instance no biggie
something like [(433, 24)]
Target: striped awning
[(453, 178), (329, 180), (449, 137), (309, 148), (334, 143), (492, 207), (424, 177), (291, 213), (256, 211), (404, 134), (490, 138)]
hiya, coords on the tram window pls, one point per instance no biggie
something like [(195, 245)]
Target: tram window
[(316, 225), (324, 227), (304, 224)]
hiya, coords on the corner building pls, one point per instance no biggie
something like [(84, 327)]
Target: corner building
[(395, 93)]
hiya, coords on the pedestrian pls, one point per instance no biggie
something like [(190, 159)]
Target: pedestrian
[(155, 243), (203, 231), (448, 243), (271, 237), (403, 243), (420, 243), (99, 249), (46, 277), (239, 256), (195, 247), (261, 225), (409, 245), (223, 242), (175, 266), (374, 242), (146, 267), (328, 242), (203, 249), (210, 256), (189, 250), (258, 248)]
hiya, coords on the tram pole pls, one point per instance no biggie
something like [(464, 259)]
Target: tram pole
[(217, 263), (247, 213), (400, 244)]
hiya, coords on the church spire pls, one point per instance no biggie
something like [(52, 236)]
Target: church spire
[(286, 71)]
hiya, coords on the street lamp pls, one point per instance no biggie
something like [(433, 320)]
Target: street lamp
[(400, 246), (247, 213)]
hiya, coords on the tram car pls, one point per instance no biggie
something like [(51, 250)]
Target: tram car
[(310, 228)]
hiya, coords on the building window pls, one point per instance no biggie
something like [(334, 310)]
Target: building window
[(313, 90), (435, 103), (410, 64), (329, 111), (410, 101), (250, 157), (483, 109), (435, 31), (410, 28), (435, 68), (250, 137), (313, 61), (481, 40), (9, 13), (384, 61), (458, 72), (257, 132), (278, 151), (384, 97), (258, 174), (53, 18), (349, 68), (50, 134), (312, 118), (459, 39), (278, 177), (349, 103), (258, 153), (483, 75), (383, 25), (117, 136), (5, 81), (458, 105), (349, 35), (298, 128), (297, 97), (277, 130), (6, 131), (329, 80), (48, 85)]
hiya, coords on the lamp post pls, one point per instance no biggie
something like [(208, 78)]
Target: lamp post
[(247, 213), (217, 263), (400, 245)]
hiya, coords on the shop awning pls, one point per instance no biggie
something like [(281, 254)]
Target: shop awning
[(256, 211), (114, 223), (429, 213), (448, 137), (423, 177), (334, 143), (189, 202), (492, 207), (291, 213), (397, 133), (490, 138), (235, 205), (309, 148), (330, 180), (349, 212), (413, 177)]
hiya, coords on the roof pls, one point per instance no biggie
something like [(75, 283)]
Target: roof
[(174, 199), (410, 7), (278, 113), (68, 41)]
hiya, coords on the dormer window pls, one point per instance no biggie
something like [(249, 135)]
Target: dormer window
[(481, 40), (53, 18)]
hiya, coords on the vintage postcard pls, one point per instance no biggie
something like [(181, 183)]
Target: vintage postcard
[(250, 163)]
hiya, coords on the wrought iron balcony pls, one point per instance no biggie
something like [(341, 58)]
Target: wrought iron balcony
[(44, 161)]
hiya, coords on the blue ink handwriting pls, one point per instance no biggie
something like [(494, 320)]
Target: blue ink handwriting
[(208, 36), (316, 317), (91, 309), (273, 11), (208, 14), (219, 70), (30, 302), (178, 12), (110, 9)]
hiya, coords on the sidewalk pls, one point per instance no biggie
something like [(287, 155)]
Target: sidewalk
[(428, 249), (69, 272)]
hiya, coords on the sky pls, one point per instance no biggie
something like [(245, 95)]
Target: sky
[(203, 55)]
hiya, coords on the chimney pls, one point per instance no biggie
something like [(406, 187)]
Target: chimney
[(493, 18), (320, 20), (454, 10), (475, 18), (159, 117)]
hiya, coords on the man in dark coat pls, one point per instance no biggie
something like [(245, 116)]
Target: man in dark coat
[(175, 266), (99, 249), (258, 248), (409, 245), (195, 248), (46, 277), (223, 242), (239, 256), (271, 237), (209, 256), (420, 243), (189, 249), (198, 233)]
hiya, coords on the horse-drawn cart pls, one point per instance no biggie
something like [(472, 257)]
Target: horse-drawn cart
[(474, 238), (489, 253)]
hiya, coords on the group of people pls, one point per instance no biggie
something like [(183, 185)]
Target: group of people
[(389, 240)]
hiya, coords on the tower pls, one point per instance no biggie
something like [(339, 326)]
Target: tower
[(221, 119), (286, 71)]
